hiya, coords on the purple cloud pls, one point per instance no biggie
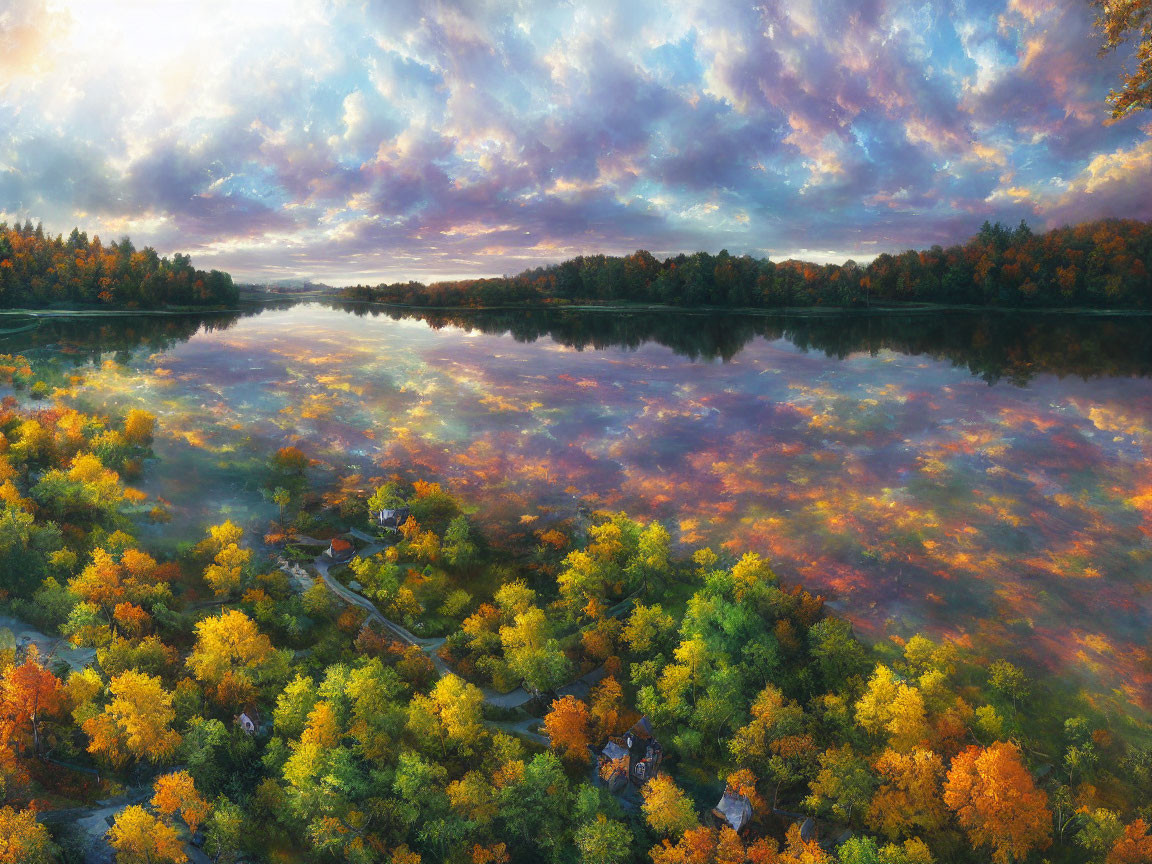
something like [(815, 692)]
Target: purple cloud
[(351, 142)]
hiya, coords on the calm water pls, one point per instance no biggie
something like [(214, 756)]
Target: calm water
[(984, 476)]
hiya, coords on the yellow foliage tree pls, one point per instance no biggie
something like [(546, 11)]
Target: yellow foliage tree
[(910, 797), (140, 838), (231, 655), (23, 840), (139, 427), (890, 706), (451, 713), (667, 808), (136, 723), (226, 572)]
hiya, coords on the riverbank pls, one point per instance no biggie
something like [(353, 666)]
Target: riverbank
[(775, 311)]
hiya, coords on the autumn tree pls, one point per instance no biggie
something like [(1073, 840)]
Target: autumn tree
[(1117, 24), (695, 846), (138, 837), (995, 801), (29, 694), (111, 580), (774, 718), (290, 460), (667, 808), (647, 628), (652, 559), (909, 799), (86, 492), (139, 428), (797, 850), (843, 785), (608, 709), (892, 707), (233, 657), (603, 841), (226, 572), (533, 654), (450, 714), (176, 793), (23, 840), (136, 723), (1134, 846), (567, 727)]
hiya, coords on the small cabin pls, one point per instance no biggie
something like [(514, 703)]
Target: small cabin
[(734, 810), (249, 721), (390, 518), (341, 550)]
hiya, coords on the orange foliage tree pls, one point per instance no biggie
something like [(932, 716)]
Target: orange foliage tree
[(994, 799), (567, 726), (1133, 847), (176, 793), (28, 694)]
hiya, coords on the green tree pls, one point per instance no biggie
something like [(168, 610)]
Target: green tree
[(533, 654), (603, 841)]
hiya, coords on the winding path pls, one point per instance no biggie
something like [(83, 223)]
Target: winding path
[(431, 647)]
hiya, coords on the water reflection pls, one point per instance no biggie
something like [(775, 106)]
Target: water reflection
[(866, 455)]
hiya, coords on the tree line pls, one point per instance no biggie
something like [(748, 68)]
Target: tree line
[(37, 270), (1103, 264)]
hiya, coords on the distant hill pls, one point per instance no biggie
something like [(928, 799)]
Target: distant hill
[(288, 289), (287, 286)]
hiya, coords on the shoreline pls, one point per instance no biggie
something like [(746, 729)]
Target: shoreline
[(253, 304), (801, 311)]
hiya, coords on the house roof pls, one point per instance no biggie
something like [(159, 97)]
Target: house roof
[(808, 830), (614, 751), (339, 544), (736, 810), (642, 728)]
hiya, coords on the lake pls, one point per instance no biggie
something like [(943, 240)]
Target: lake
[(981, 475)]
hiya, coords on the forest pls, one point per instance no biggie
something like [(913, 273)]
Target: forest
[(1104, 264), (38, 270), (377, 679)]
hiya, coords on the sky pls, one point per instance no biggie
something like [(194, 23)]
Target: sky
[(393, 139)]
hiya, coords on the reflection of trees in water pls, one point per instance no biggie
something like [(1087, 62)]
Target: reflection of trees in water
[(84, 338), (991, 345)]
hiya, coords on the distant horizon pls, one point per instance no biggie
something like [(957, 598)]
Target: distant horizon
[(340, 282)]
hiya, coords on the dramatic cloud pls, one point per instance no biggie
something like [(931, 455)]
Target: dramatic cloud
[(354, 141)]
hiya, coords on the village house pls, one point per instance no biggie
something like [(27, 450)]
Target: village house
[(390, 518), (340, 550), (635, 756)]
